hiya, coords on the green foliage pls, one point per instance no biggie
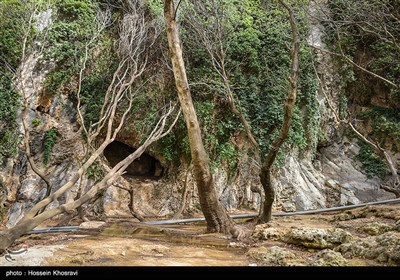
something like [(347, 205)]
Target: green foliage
[(75, 10), (227, 152), (217, 127), (376, 51), (8, 145), (385, 123), (297, 134), (343, 106), (371, 163), (156, 7), (8, 115), (95, 172), (13, 16), (97, 80), (175, 146), (36, 122), (49, 140), (65, 41), (257, 57)]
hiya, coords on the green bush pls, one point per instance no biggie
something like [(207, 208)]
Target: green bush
[(36, 122), (13, 15), (49, 140), (65, 42), (95, 172), (371, 163), (256, 44)]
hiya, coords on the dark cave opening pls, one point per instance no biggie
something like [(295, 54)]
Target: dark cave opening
[(145, 166)]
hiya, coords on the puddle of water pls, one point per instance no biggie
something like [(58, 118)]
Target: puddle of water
[(189, 236), (135, 245), (123, 251)]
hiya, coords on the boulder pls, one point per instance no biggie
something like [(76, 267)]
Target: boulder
[(375, 228), (317, 238), (274, 255), (91, 225), (329, 257)]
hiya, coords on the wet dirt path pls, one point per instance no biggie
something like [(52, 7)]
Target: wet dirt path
[(126, 245), (117, 251)]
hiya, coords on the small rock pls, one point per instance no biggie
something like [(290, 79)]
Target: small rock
[(274, 255), (157, 249), (91, 225), (123, 253), (396, 226), (236, 245), (266, 233)]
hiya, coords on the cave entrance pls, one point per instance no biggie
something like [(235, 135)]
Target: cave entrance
[(145, 166)]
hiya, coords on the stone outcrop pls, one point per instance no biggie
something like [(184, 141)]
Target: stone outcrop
[(316, 238), (329, 257), (275, 255), (384, 248)]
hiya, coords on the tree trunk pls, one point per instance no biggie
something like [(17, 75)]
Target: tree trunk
[(215, 215), (265, 174)]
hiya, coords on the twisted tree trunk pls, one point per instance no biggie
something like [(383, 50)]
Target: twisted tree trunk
[(265, 174), (215, 215)]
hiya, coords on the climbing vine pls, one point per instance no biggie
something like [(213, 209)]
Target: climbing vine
[(95, 172), (372, 164), (65, 41), (13, 14), (49, 140)]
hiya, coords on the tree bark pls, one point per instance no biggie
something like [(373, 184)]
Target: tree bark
[(215, 215), (265, 174)]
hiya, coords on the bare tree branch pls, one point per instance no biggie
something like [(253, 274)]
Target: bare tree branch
[(134, 37)]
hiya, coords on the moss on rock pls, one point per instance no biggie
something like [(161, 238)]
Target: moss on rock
[(329, 257), (275, 256)]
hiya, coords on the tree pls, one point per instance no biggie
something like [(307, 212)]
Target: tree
[(215, 215), (134, 37), (216, 34), (265, 174)]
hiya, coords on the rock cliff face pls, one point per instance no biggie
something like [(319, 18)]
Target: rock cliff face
[(332, 176), (329, 176)]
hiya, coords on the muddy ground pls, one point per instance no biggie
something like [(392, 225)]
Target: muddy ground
[(368, 236)]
